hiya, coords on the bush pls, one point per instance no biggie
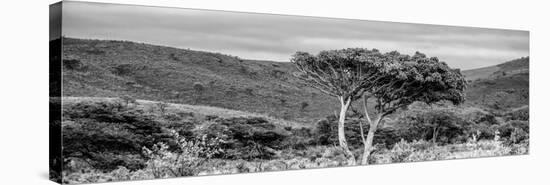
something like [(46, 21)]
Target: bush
[(326, 133), (303, 106), (514, 132), (415, 151), (162, 107), (128, 100), (72, 64), (426, 151), (439, 125), (198, 87), (123, 69), (247, 138), (105, 134), (521, 114), (186, 160)]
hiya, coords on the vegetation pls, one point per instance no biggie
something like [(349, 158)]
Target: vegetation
[(136, 111), (167, 74), (392, 80), (107, 141)]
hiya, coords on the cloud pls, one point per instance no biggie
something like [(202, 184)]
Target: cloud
[(277, 37)]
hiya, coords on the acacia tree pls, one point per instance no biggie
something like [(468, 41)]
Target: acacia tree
[(402, 80), (338, 73), (391, 80)]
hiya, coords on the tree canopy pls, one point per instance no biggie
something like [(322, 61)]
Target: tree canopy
[(394, 80)]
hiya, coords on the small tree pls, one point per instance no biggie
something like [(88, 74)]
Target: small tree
[(303, 105), (199, 89)]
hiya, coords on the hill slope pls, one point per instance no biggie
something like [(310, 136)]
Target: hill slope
[(100, 68), (501, 87), (96, 68), (517, 66)]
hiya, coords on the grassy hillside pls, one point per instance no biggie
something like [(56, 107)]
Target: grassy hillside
[(480, 73), (99, 68), (517, 66), (501, 87), (95, 68)]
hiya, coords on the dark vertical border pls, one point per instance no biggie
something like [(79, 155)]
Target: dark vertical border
[(55, 138)]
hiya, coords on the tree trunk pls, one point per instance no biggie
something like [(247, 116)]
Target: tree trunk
[(434, 134), (341, 134), (368, 142)]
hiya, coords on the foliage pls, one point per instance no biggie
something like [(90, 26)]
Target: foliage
[(392, 80), (186, 160), (72, 64), (303, 106), (251, 144), (105, 135), (299, 139), (515, 131), (101, 132), (247, 138), (421, 150), (519, 114), (395, 80), (162, 107), (311, 157), (438, 124), (198, 87), (325, 133), (128, 100), (123, 69)]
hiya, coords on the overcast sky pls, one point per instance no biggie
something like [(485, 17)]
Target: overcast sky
[(277, 37)]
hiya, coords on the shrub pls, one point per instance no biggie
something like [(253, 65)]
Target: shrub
[(249, 91), (211, 117), (514, 132), (128, 100), (72, 64), (174, 57), (277, 73), (303, 106), (443, 125), (521, 114), (404, 151), (161, 107), (106, 135), (186, 160), (414, 151), (326, 133), (198, 87), (282, 101), (247, 138), (123, 69)]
